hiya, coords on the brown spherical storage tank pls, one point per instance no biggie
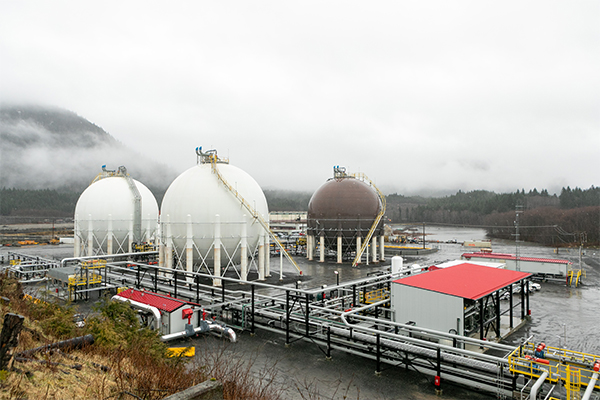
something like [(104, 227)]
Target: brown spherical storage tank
[(345, 207)]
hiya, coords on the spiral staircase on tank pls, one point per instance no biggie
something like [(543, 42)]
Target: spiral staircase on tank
[(364, 178), (211, 156)]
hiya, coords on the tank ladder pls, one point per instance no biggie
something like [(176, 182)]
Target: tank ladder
[(364, 245), (254, 213), (137, 197), (137, 205)]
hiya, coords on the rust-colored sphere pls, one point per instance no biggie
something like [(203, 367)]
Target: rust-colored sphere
[(345, 207)]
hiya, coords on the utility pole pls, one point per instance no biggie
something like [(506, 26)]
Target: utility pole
[(582, 239), (518, 210)]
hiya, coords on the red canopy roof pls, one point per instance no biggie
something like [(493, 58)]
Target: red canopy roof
[(466, 280), (502, 256), (163, 303)]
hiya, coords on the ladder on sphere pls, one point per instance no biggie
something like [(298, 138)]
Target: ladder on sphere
[(364, 245), (255, 215), (137, 197)]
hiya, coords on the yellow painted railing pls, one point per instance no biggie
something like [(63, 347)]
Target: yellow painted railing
[(252, 211), (364, 245), (79, 280), (93, 264), (573, 368), (374, 296)]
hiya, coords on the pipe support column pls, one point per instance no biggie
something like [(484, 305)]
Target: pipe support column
[(76, 238), (169, 253), (374, 248), (109, 236), (130, 248), (189, 248), (90, 243), (244, 250), (217, 251), (322, 249), (261, 257)]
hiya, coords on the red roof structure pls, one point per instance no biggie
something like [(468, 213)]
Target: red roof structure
[(502, 256), (163, 303), (466, 280)]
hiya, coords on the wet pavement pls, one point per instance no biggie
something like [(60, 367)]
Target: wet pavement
[(561, 317)]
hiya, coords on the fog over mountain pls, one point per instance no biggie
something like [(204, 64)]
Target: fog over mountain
[(51, 148)]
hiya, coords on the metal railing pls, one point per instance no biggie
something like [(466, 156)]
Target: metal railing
[(364, 245), (213, 162)]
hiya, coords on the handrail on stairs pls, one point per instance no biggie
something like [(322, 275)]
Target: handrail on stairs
[(364, 245), (253, 212)]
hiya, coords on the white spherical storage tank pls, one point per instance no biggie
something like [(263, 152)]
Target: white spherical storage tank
[(204, 225), (111, 215)]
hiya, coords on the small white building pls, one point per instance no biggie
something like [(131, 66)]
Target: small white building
[(173, 313)]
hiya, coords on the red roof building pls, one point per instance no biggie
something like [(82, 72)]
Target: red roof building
[(174, 313), (162, 302), (468, 281), (463, 299)]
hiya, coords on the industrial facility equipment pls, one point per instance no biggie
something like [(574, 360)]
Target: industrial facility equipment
[(213, 217), (113, 213), (345, 215)]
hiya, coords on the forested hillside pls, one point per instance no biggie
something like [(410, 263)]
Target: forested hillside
[(283, 200), (52, 148), (50, 155), (571, 217), (45, 203), (52, 203), (549, 225)]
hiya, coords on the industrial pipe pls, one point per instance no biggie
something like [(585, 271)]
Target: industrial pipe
[(537, 385), (223, 330), (414, 340), (592, 382), (212, 326), (590, 388), (155, 311), (64, 261), (466, 339)]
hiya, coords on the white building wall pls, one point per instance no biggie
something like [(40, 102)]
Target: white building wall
[(427, 309), (177, 323), (533, 267)]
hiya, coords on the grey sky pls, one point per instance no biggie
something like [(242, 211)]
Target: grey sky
[(429, 96)]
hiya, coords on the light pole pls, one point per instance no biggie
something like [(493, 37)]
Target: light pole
[(337, 278)]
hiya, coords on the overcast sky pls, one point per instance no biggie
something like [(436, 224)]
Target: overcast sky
[(422, 96)]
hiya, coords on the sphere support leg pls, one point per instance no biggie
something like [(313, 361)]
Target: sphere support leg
[(322, 249)]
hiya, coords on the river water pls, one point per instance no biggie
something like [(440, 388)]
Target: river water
[(561, 316)]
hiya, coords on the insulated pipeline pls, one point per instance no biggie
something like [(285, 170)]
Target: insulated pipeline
[(212, 326), (410, 348)]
